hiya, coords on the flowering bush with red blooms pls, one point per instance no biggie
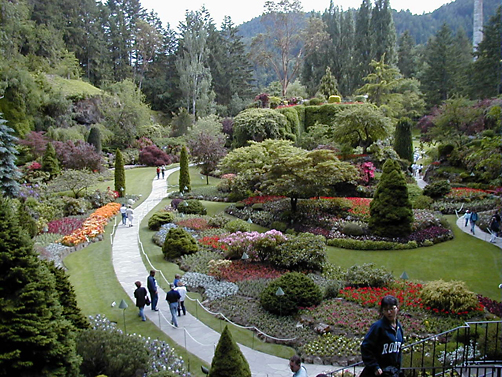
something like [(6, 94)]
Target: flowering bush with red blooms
[(34, 165), (433, 233), (360, 207), (64, 226), (463, 193), (213, 242), (492, 306), (196, 223), (367, 170), (261, 199), (241, 270), (407, 293)]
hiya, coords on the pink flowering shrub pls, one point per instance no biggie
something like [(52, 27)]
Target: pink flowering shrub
[(64, 226), (256, 245)]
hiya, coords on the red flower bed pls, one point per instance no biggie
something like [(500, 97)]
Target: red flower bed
[(261, 199), (213, 242), (241, 270), (196, 224), (360, 206), (460, 193), (64, 226)]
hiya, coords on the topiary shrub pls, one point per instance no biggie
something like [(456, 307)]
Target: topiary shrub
[(228, 360), (160, 218), (178, 242), (437, 189), (192, 206), (352, 229), (449, 297), (334, 99), (238, 225), (367, 275), (299, 290), (303, 252)]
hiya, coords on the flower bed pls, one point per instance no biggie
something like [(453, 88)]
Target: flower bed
[(64, 226), (243, 270), (93, 226)]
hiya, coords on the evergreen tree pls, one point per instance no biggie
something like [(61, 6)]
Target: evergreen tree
[(228, 360), (486, 70), (391, 214), (67, 297), (363, 43), (184, 182), (35, 338), (8, 169), (94, 138), (383, 32), (50, 163), (403, 141), (406, 55), (462, 63), (181, 122), (120, 181), (26, 220), (328, 85)]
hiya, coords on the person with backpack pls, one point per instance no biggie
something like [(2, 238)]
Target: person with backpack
[(467, 216), (473, 219)]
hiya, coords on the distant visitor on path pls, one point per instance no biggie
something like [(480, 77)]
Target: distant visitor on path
[(140, 294), (177, 278), (295, 364), (182, 290), (467, 216), (163, 171), (130, 214), (172, 298), (123, 212), (473, 219), (494, 227), (381, 347), (151, 284), (158, 172)]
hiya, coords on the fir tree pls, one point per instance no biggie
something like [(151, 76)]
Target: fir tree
[(8, 169), (383, 32), (363, 43), (406, 55), (403, 142), (94, 138), (228, 360), (328, 85), (26, 220), (120, 182), (35, 338), (184, 182), (390, 211), (50, 163)]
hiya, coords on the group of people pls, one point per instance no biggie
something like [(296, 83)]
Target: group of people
[(494, 226), (175, 297), (127, 214), (471, 217), (161, 170)]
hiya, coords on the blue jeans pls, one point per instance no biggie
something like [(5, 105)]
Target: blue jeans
[(124, 218), (473, 224), (155, 300), (141, 313), (173, 307)]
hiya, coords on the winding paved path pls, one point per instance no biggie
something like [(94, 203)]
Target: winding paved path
[(192, 334)]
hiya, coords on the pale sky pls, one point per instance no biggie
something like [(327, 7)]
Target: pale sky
[(242, 11)]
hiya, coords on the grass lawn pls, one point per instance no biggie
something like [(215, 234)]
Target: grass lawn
[(465, 258)]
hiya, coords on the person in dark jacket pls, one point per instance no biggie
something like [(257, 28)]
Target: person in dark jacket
[(381, 347), (140, 294), (151, 284), (172, 298)]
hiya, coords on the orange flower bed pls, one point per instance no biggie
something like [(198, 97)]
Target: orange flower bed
[(93, 226)]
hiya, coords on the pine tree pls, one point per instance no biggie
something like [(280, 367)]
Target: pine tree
[(406, 55), (383, 32), (363, 43), (403, 141), (50, 163), (228, 360), (8, 169), (94, 139), (328, 85), (391, 214), (35, 338), (120, 181), (26, 220), (184, 182)]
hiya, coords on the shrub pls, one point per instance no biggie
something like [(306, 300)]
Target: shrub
[(160, 218), (218, 221), (334, 99), (451, 297), (192, 206), (422, 202), (367, 275), (73, 207), (437, 189), (314, 102), (175, 203), (238, 225), (228, 360), (305, 251), (257, 206), (199, 262), (152, 155), (347, 243), (178, 242), (299, 291), (279, 225), (352, 229)]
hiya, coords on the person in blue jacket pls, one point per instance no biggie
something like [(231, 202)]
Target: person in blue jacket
[(381, 347)]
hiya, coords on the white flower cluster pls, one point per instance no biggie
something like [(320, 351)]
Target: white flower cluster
[(469, 352), (214, 289)]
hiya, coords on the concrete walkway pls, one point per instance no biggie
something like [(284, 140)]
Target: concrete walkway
[(192, 334), (478, 233)]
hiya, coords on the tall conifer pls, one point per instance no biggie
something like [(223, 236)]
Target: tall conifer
[(50, 163), (228, 360), (120, 182), (94, 138), (184, 181), (403, 141), (8, 169)]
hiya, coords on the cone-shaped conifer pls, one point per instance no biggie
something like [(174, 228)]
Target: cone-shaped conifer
[(184, 181), (50, 163), (228, 360), (120, 182)]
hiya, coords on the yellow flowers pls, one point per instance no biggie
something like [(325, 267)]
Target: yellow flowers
[(93, 226)]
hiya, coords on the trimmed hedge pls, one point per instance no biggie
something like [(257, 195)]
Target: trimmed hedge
[(323, 114), (348, 243)]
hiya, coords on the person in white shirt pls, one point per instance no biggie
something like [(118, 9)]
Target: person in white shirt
[(295, 364), (182, 290), (130, 214), (123, 212)]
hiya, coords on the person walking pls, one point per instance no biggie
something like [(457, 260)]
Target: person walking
[(151, 284), (177, 278), (141, 296), (130, 214), (381, 347), (182, 290), (158, 172), (163, 171), (123, 212), (172, 298), (295, 364), (467, 216), (494, 227), (473, 218)]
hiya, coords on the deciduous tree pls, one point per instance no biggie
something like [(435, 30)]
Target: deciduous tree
[(207, 150)]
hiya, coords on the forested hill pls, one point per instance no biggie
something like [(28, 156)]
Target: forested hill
[(457, 14)]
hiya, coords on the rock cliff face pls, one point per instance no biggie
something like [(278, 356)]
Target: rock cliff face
[(87, 111)]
